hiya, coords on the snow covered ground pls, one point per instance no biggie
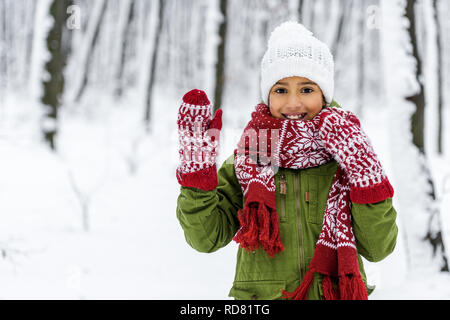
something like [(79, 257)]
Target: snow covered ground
[(124, 180), (398, 277)]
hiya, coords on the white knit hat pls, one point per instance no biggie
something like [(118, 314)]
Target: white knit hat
[(294, 51)]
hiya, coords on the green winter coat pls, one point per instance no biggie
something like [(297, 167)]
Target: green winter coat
[(209, 220)]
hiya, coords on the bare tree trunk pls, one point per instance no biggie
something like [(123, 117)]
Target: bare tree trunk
[(220, 67), (93, 31), (361, 54), (300, 10), (54, 86), (148, 104), (3, 52), (440, 64), (312, 12), (29, 44), (123, 46), (343, 21), (434, 232), (418, 118)]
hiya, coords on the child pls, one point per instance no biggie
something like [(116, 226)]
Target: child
[(304, 194)]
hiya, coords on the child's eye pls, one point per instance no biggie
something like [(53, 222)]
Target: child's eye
[(304, 90), (278, 90)]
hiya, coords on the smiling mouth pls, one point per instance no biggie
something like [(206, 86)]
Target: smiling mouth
[(297, 116)]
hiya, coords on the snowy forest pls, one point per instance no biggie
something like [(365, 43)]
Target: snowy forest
[(89, 95)]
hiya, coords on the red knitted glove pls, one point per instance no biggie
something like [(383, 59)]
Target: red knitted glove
[(342, 136), (198, 142)]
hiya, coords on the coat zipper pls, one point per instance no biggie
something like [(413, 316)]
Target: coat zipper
[(299, 223), (283, 195)]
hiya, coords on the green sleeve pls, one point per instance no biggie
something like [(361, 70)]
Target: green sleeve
[(375, 229), (209, 218)]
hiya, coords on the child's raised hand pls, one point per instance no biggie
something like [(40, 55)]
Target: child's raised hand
[(341, 134), (199, 136)]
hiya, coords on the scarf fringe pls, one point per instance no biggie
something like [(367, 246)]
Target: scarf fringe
[(329, 292), (259, 227), (271, 241), (301, 293), (352, 287)]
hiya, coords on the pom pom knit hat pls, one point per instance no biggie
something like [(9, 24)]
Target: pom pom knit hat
[(294, 51)]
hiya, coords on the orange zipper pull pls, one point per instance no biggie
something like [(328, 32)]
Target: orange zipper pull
[(307, 196), (282, 184)]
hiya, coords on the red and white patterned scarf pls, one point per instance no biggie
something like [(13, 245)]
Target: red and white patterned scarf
[(266, 144)]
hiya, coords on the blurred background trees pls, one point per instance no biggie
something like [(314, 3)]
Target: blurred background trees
[(68, 54)]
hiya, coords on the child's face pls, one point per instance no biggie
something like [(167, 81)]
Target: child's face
[(295, 98)]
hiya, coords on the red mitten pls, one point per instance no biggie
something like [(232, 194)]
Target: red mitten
[(199, 135), (342, 136)]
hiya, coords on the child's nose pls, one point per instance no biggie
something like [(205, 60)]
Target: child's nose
[(294, 100)]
